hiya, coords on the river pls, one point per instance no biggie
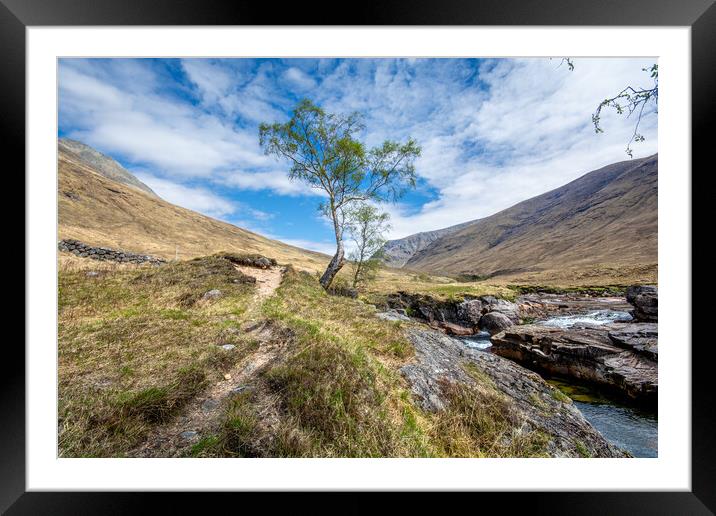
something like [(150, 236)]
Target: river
[(631, 428)]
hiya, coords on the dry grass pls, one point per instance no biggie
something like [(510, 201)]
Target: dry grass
[(135, 343), (601, 275), (480, 422), (337, 392), (102, 212)]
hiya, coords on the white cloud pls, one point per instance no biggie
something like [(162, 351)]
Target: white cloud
[(275, 180), (299, 79), (151, 130), (491, 137), (194, 198), (324, 247), (517, 129), (213, 81)]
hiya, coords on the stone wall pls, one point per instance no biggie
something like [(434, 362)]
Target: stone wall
[(105, 253)]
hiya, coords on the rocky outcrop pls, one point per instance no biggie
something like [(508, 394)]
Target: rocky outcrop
[(641, 338), (455, 317), (440, 358), (105, 253), (393, 315), (250, 260), (645, 300), (616, 356), (507, 308), (470, 312)]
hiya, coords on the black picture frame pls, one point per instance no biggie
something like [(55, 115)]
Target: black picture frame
[(700, 15)]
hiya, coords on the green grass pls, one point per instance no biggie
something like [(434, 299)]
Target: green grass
[(133, 350), (338, 392), (137, 344), (560, 396), (480, 422), (582, 449), (596, 290)]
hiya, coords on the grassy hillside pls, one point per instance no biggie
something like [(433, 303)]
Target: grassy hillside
[(298, 373), (99, 211), (599, 228)]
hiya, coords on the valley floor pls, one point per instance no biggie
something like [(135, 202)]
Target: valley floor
[(209, 358)]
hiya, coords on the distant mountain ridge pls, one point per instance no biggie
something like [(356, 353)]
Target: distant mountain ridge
[(607, 216), (101, 163), (396, 253)]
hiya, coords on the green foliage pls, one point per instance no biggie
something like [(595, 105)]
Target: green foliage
[(367, 226), (631, 100), (325, 153)]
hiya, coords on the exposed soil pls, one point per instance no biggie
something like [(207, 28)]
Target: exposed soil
[(267, 280)]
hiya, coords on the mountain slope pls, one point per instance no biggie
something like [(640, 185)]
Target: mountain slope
[(104, 212), (396, 253), (606, 217), (100, 163)]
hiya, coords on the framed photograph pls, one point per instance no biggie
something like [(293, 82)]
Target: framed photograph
[(403, 252)]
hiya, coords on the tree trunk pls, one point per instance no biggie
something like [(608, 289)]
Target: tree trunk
[(357, 274), (336, 264)]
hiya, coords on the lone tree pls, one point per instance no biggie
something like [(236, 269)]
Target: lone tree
[(367, 227), (325, 153)]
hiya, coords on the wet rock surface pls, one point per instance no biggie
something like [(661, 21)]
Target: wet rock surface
[(439, 357), (617, 356), (641, 337), (645, 300), (540, 305)]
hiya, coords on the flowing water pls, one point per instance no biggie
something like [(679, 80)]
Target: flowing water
[(480, 340), (595, 317), (632, 429)]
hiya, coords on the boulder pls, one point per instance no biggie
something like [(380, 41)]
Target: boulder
[(212, 294), (586, 354), (645, 300), (440, 358), (495, 322), (470, 311), (508, 308), (263, 263)]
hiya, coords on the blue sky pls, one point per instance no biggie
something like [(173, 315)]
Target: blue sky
[(493, 131)]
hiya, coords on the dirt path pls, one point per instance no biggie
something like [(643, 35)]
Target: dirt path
[(267, 280), (202, 415)]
